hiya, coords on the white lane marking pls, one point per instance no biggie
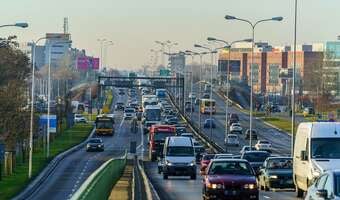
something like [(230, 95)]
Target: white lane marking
[(266, 197)]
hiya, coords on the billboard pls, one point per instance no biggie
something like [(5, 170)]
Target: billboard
[(85, 63)]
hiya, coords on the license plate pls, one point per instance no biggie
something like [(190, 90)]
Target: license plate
[(230, 192)]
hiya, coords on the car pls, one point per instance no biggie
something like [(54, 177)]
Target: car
[(139, 116), (179, 157), (276, 172), (253, 135), (223, 155), (129, 113), (192, 95), (235, 128), (199, 151), (263, 145), (247, 148), (180, 130), (78, 118), (255, 158), (134, 104), (229, 179), (121, 93), (205, 160), (189, 107), (190, 135), (197, 101), (206, 96), (171, 121), (326, 186), (95, 144), (119, 106), (209, 123), (232, 140)]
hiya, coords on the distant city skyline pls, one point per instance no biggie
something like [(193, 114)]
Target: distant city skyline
[(134, 25)]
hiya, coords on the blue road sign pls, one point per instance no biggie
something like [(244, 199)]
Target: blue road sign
[(53, 122), (2, 151)]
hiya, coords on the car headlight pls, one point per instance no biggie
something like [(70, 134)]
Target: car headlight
[(168, 163), (249, 186), (193, 163), (100, 146), (273, 176), (88, 145), (217, 186)]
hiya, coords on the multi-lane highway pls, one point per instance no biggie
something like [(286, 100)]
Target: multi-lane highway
[(75, 168)]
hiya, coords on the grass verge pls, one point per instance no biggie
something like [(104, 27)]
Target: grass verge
[(279, 123), (12, 185)]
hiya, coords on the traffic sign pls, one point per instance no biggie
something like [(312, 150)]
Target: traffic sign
[(2, 151), (53, 122)]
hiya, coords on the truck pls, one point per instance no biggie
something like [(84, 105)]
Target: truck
[(157, 136), (316, 150), (151, 116)]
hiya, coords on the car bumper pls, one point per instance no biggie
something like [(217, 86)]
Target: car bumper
[(94, 148), (280, 183), (179, 170), (231, 194)]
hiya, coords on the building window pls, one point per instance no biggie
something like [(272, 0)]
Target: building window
[(274, 71), (255, 74)]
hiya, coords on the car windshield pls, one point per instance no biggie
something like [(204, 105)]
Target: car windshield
[(104, 124), (95, 141), (326, 148), (230, 167), (280, 163), (130, 110), (208, 157), (263, 142), (337, 185), (160, 136), (256, 156), (78, 116), (180, 151)]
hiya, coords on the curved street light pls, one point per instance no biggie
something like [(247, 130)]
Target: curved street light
[(18, 24), (253, 26)]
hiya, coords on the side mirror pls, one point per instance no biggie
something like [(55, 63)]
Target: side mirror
[(322, 193), (303, 155)]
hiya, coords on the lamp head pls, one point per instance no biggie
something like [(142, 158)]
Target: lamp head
[(211, 39), (229, 17), (277, 18), (197, 45), (21, 24)]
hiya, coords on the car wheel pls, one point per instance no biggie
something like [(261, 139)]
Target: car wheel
[(165, 176)]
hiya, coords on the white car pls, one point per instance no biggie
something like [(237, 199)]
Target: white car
[(326, 186), (263, 145), (78, 118), (236, 127), (232, 140), (129, 113), (192, 96), (247, 148)]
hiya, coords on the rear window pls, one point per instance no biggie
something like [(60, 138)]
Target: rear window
[(230, 167), (256, 156), (264, 142), (208, 157)]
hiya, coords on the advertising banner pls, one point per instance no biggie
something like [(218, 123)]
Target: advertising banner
[(95, 63), (83, 63)]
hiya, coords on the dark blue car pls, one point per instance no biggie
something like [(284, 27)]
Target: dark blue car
[(209, 122)]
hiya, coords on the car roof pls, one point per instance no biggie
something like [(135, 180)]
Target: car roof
[(179, 141), (227, 159), (256, 152)]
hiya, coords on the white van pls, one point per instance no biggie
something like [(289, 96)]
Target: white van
[(316, 149), (179, 157)]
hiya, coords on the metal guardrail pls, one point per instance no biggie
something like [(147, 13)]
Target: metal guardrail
[(99, 184), (204, 138)]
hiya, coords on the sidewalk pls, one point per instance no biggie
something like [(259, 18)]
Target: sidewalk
[(123, 188)]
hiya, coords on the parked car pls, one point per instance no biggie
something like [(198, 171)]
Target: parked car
[(276, 172), (255, 158), (263, 145), (236, 128), (209, 123), (229, 179), (247, 148), (253, 135), (326, 186), (95, 144), (205, 162), (78, 118), (232, 140)]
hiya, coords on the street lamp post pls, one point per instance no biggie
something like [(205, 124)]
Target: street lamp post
[(49, 97), (106, 45), (163, 49), (253, 26), (192, 54), (228, 46), (293, 85), (101, 41), (211, 51)]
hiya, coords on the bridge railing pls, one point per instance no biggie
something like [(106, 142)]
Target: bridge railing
[(99, 184)]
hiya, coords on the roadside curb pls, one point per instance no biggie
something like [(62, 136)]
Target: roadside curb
[(48, 170), (151, 193), (274, 127)]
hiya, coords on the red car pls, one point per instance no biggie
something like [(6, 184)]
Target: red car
[(230, 179), (205, 161)]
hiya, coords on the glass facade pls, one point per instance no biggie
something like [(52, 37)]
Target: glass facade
[(274, 72)]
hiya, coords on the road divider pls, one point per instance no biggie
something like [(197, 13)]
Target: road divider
[(99, 184)]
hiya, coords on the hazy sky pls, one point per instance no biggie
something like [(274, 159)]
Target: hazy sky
[(134, 25)]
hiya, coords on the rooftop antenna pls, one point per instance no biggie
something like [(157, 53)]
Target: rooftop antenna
[(65, 25)]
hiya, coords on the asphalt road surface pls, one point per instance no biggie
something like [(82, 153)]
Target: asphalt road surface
[(77, 167)]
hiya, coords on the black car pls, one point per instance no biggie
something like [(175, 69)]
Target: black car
[(255, 158), (171, 121), (208, 123), (95, 144), (180, 130), (119, 106), (253, 135), (276, 172)]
